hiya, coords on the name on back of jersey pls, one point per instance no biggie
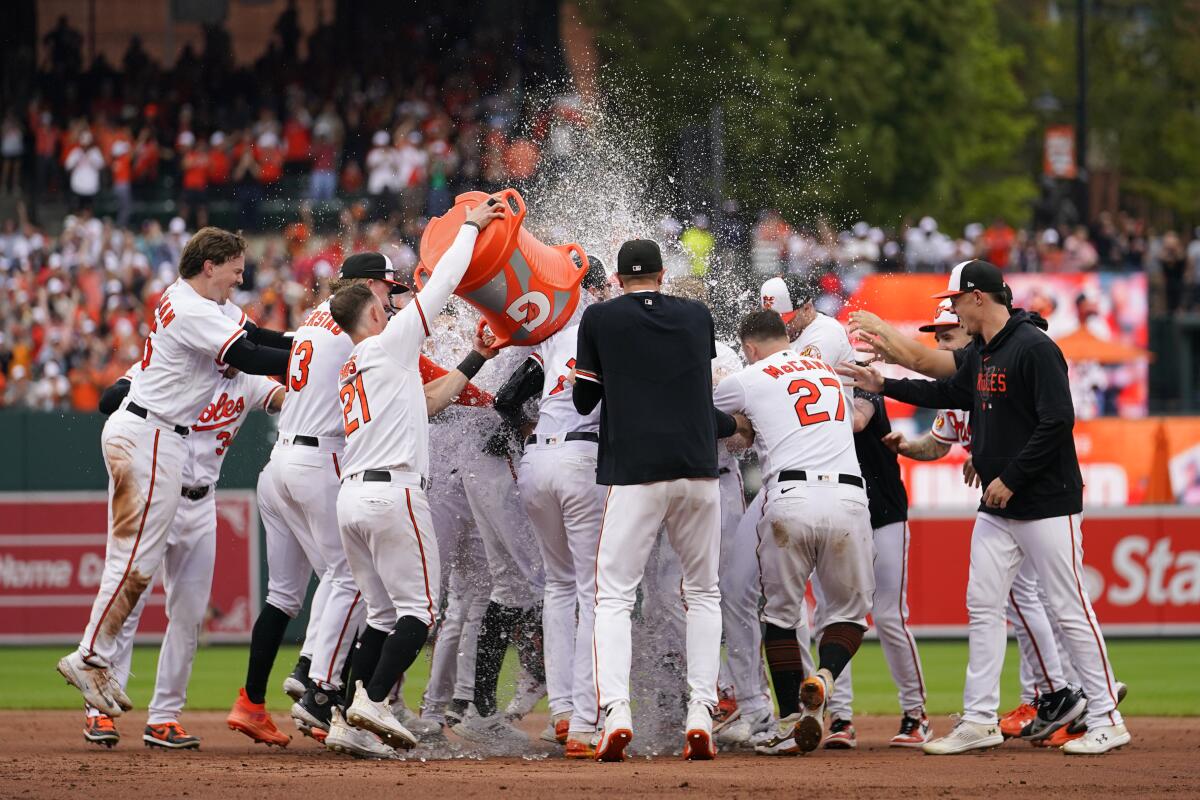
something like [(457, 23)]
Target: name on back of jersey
[(796, 366), (322, 319)]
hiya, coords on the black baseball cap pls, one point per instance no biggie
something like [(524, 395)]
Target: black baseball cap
[(596, 275), (974, 276), (639, 257), (372, 265)]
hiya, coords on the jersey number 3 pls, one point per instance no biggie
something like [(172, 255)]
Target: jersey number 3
[(810, 393), (301, 357), (349, 393)]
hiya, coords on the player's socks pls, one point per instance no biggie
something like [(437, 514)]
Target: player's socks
[(530, 645), (839, 643), (400, 650), (364, 659), (264, 646), (495, 632), (786, 666), (345, 674)]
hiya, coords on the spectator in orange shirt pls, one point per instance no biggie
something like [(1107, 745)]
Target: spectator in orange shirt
[(997, 243), (220, 166), (194, 167), (270, 161), (121, 164)]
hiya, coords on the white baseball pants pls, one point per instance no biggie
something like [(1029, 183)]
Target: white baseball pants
[(1040, 668), (297, 497), (145, 465), (691, 511), (558, 490), (387, 531), (187, 581), (1055, 548), (518, 579)]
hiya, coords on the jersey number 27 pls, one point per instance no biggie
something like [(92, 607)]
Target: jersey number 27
[(810, 393)]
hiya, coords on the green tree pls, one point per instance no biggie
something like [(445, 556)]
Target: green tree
[(871, 108)]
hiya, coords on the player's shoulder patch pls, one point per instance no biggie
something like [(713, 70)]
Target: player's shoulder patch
[(811, 351), (939, 423)]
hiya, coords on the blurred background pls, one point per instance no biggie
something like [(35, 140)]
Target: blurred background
[(869, 145)]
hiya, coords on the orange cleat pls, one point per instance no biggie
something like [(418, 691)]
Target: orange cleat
[(1015, 721), (561, 729), (101, 730), (579, 749), (727, 712), (1061, 737), (253, 720)]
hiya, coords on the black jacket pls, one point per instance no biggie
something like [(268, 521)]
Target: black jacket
[(1021, 417)]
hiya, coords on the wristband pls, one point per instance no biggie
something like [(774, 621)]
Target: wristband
[(474, 225), (471, 365)]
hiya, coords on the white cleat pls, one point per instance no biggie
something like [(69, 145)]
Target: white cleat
[(528, 693), (965, 737), (698, 736), (814, 692), (344, 738), (1098, 740), (782, 742), (494, 730), (377, 718), (95, 683), (420, 727), (616, 734)]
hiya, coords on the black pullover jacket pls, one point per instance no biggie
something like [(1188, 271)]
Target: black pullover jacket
[(1021, 417)]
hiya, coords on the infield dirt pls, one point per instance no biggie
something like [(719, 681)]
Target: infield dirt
[(43, 755)]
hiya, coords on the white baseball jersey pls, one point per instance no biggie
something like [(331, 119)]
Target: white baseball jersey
[(187, 335), (825, 339), (799, 413), (217, 425), (725, 364), (383, 402), (319, 349), (953, 426), (556, 409)]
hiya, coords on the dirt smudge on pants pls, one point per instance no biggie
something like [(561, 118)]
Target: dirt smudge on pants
[(126, 505), (131, 591)]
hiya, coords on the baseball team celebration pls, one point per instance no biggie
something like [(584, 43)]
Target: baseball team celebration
[(570, 396)]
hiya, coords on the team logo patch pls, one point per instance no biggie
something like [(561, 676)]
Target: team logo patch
[(768, 301), (812, 351), (939, 423)]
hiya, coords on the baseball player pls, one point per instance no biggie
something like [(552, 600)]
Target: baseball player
[(1014, 381), (383, 513), (297, 496), (189, 557), (648, 356), (557, 482), (144, 441), (815, 512)]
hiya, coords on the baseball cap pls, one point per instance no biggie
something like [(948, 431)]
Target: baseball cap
[(372, 265), (943, 318), (596, 276), (785, 295), (974, 276), (639, 257)]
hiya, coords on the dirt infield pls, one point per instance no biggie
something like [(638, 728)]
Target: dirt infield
[(44, 756)]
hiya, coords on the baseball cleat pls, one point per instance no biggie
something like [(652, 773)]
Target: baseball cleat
[(423, 728), (841, 736), (814, 691), (914, 732), (783, 742), (493, 730), (1016, 721), (529, 692), (726, 713), (313, 710), (170, 736), (698, 744), (457, 711), (749, 728), (253, 720), (1079, 726), (297, 683), (581, 745), (1055, 710), (1060, 737), (965, 737), (1098, 740), (351, 741), (101, 730), (557, 728), (94, 682), (377, 717), (617, 733)]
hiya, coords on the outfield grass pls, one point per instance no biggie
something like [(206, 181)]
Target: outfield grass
[(1160, 674)]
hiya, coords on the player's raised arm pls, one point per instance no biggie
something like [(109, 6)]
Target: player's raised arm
[(884, 341), (440, 393)]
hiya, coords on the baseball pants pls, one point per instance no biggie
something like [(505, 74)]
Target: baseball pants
[(187, 581), (1055, 548), (297, 497), (691, 511), (889, 612), (740, 593), (658, 679), (387, 531), (518, 579), (558, 490), (1041, 668), (145, 466)]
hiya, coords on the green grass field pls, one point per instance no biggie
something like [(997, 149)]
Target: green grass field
[(1160, 673)]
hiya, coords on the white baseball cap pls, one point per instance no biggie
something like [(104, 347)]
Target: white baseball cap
[(785, 295), (943, 318)]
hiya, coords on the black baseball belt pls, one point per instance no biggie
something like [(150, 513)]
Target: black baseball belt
[(307, 441), (573, 436), (195, 492), (802, 475), (385, 476), (138, 411)]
